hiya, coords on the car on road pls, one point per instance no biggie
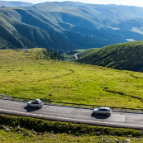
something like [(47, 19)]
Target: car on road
[(102, 110), (37, 103)]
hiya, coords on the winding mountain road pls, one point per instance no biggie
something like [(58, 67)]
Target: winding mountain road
[(76, 56), (73, 114)]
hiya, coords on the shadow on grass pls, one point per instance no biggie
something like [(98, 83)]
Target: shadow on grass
[(31, 109), (100, 116)]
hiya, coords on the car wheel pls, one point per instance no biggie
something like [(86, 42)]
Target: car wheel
[(38, 107), (107, 114), (95, 113)]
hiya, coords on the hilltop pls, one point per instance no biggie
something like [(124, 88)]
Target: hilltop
[(124, 56), (14, 4)]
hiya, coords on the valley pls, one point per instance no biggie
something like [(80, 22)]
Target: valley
[(76, 53)]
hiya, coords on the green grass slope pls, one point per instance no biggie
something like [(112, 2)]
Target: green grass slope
[(125, 56), (77, 14), (93, 15), (21, 29), (28, 18), (92, 25), (56, 137), (87, 52), (68, 26), (27, 74), (7, 39)]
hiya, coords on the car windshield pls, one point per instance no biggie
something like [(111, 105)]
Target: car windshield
[(35, 101)]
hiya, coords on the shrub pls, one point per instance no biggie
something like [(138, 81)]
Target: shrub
[(41, 125)]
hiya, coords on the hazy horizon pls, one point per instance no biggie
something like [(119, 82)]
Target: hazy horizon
[(117, 2)]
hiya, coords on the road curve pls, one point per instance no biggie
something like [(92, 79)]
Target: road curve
[(76, 56), (73, 114)]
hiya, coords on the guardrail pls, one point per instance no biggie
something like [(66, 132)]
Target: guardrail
[(65, 103)]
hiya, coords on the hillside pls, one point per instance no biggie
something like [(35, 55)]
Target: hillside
[(125, 56), (89, 15), (29, 74), (21, 29), (57, 131), (85, 53), (93, 25), (58, 38), (14, 4), (68, 26)]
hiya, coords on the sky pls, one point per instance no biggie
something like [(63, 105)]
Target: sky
[(118, 2)]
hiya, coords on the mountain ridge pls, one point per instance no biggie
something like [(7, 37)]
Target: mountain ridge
[(67, 26), (14, 4)]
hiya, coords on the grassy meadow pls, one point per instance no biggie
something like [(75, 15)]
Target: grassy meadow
[(28, 74)]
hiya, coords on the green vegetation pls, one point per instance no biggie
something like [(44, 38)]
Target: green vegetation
[(68, 26), (125, 56), (41, 125), (27, 74), (60, 131), (30, 29), (87, 52), (14, 137), (84, 26), (70, 56)]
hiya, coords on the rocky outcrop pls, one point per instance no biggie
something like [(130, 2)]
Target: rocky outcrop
[(27, 134), (2, 127), (7, 130)]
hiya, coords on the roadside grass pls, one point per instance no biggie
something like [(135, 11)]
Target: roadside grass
[(22, 74), (39, 130), (14, 137)]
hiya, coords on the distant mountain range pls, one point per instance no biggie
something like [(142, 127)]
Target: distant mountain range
[(66, 26), (14, 4)]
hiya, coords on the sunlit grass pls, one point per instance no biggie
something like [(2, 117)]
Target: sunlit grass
[(14, 137), (23, 76)]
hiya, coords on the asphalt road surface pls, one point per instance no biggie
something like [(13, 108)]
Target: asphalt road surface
[(73, 114)]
